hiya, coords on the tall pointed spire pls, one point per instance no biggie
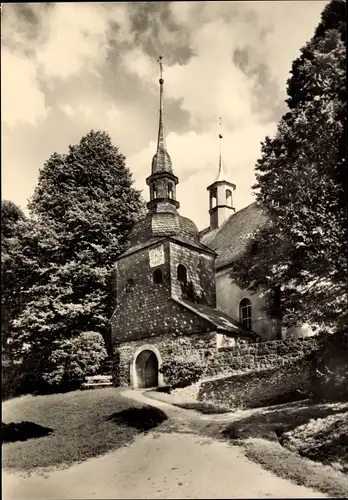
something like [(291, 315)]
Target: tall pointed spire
[(161, 161), (161, 136), (221, 174), (162, 181), (220, 193)]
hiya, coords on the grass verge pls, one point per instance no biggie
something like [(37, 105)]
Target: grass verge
[(82, 425), (306, 425), (288, 465), (198, 406)]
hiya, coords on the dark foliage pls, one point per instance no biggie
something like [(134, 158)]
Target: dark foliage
[(181, 373), (273, 422), (83, 210), (190, 293), (330, 368), (302, 185), (15, 271)]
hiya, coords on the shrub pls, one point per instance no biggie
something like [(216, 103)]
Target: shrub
[(330, 368), (181, 373), (73, 359), (63, 365), (10, 380)]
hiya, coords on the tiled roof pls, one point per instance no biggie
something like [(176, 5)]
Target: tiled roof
[(164, 224), (218, 319), (230, 240), (139, 246), (155, 225), (192, 243)]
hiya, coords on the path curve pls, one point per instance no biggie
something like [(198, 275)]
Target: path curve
[(159, 465)]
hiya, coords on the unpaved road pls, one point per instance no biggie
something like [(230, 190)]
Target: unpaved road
[(159, 465)]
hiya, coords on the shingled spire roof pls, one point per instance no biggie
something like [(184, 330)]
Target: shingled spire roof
[(161, 162), (221, 174)]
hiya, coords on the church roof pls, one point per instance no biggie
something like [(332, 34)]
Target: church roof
[(231, 239), (153, 241), (156, 225), (140, 246), (220, 321)]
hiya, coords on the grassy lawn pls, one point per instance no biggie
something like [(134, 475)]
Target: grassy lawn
[(74, 427)]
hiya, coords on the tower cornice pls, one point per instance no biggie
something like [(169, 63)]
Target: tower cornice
[(220, 183), (160, 175)]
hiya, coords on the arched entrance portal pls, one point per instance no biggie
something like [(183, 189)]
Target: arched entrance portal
[(146, 365)]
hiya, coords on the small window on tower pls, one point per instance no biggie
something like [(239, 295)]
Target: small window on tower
[(154, 193), (228, 197), (182, 273), (157, 276), (213, 198), (170, 191)]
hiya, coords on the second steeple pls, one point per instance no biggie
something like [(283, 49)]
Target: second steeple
[(220, 194)]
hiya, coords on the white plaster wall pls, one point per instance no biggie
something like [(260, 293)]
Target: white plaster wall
[(228, 297)]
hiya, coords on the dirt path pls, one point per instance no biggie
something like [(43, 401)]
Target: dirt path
[(159, 465)]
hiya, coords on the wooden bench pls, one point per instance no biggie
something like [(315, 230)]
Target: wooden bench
[(96, 381)]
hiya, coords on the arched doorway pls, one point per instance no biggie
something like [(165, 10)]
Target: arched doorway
[(146, 366)]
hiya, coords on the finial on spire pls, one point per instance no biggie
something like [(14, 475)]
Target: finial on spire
[(159, 60), (221, 173), (161, 161)]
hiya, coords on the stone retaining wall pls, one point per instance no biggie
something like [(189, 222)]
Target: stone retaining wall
[(257, 389), (258, 356)]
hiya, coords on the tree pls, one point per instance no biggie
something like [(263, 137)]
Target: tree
[(67, 363), (15, 270), (84, 207), (301, 183)]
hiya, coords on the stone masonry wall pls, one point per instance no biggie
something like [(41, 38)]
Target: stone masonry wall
[(200, 271), (259, 356), (173, 346), (251, 375), (147, 309), (257, 389)]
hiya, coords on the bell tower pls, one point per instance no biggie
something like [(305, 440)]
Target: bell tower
[(162, 182), (220, 194)]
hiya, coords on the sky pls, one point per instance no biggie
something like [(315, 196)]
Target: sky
[(68, 68)]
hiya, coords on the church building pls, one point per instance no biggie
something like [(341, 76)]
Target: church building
[(175, 300)]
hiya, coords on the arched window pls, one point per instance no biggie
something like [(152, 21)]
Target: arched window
[(170, 191), (213, 198), (154, 193), (182, 273), (129, 285), (228, 197), (245, 316), (157, 276)]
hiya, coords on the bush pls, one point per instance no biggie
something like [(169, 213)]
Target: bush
[(73, 359), (63, 365), (330, 368), (11, 382), (181, 373)]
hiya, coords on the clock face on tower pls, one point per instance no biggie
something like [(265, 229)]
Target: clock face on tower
[(156, 256)]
